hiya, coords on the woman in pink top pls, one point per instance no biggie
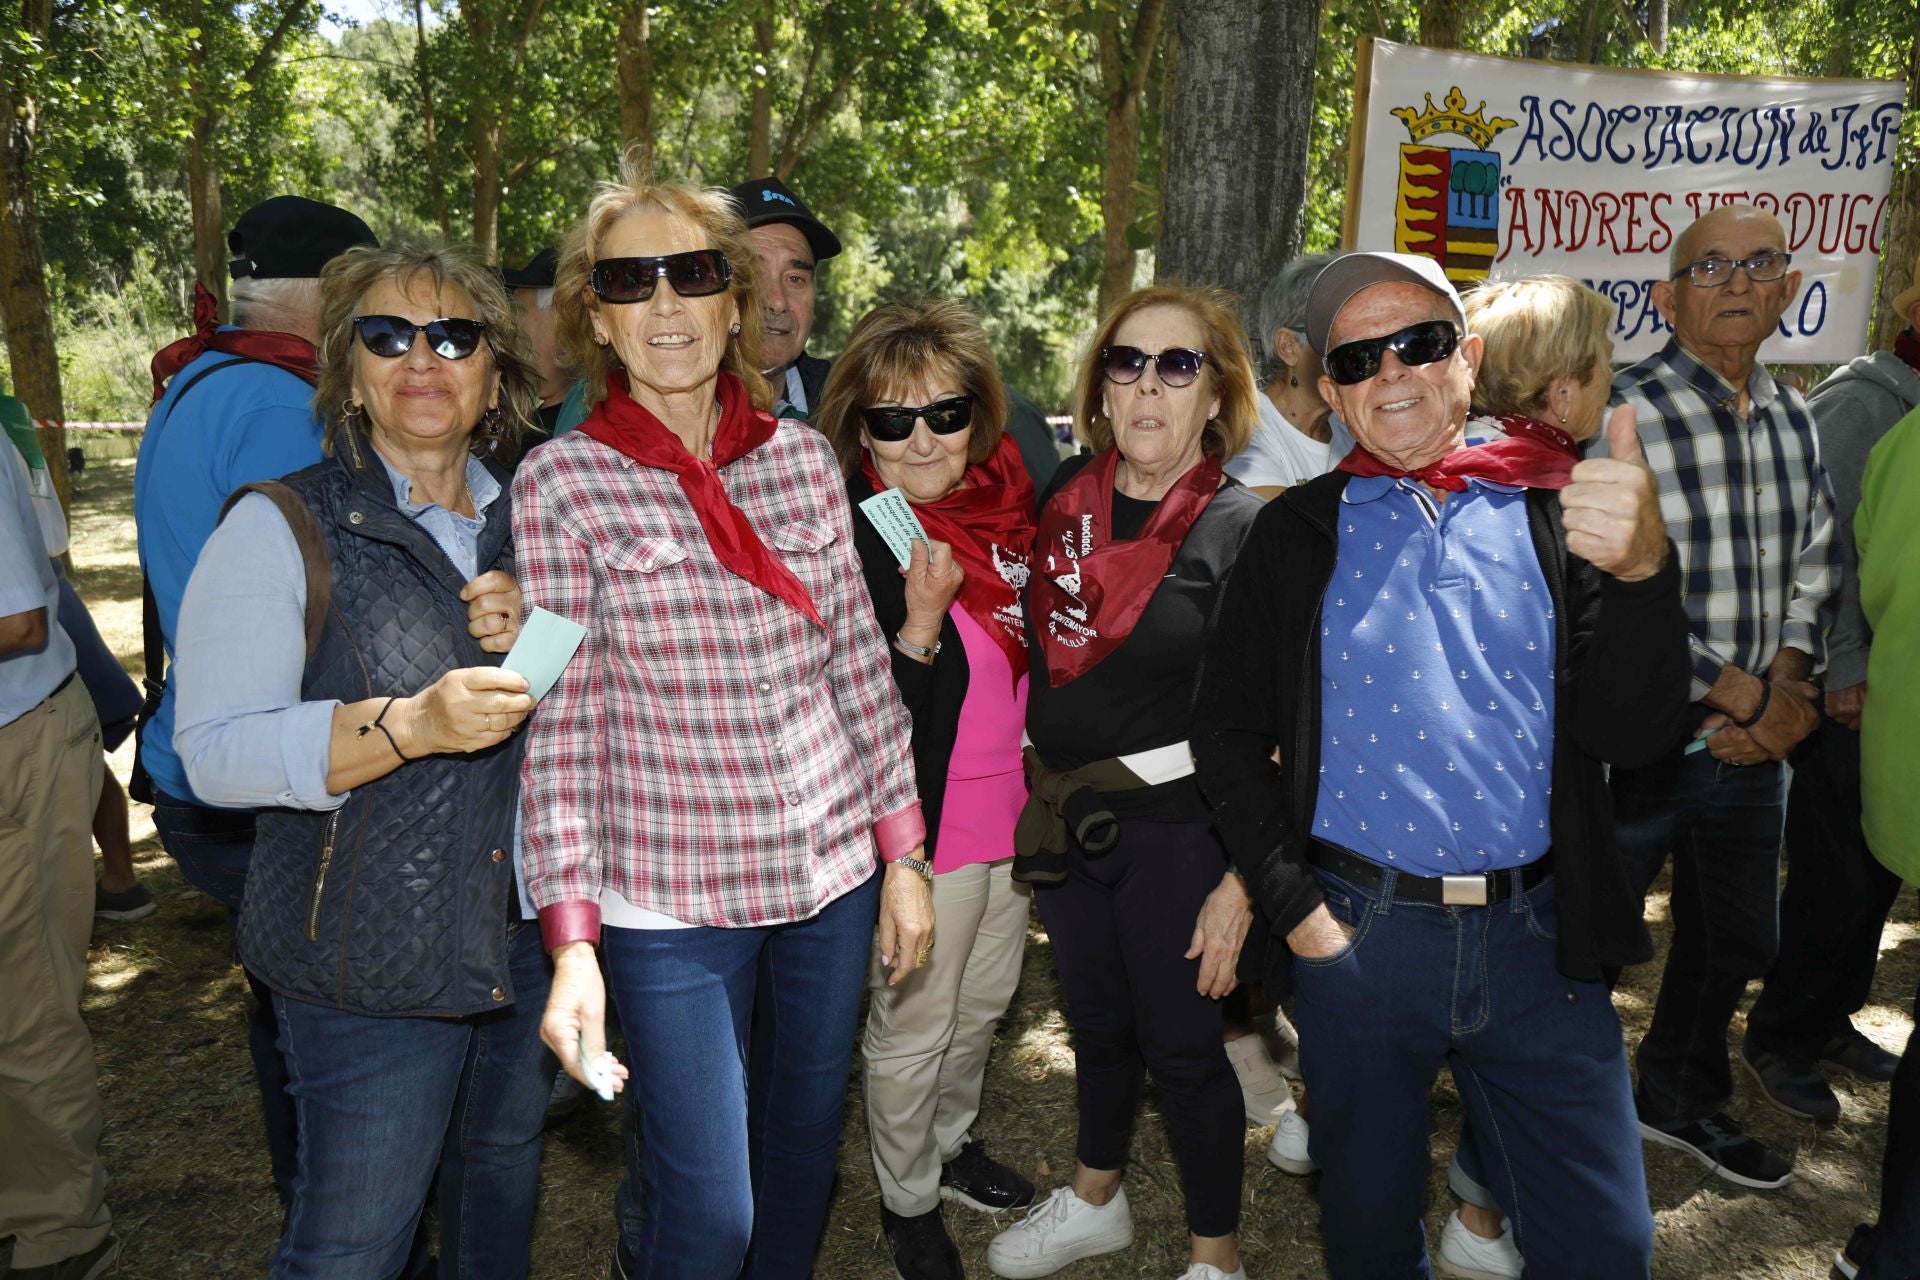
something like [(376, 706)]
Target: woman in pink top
[(915, 406)]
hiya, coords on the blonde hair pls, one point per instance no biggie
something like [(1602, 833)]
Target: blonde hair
[(1227, 364), (346, 280), (1536, 331), (897, 343), (713, 211)]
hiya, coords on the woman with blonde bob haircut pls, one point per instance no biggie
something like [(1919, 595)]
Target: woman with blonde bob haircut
[(914, 405), (1547, 358), (722, 776), (1146, 917)]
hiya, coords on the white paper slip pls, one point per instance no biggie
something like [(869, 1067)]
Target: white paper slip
[(598, 1070), (896, 522), (546, 645)]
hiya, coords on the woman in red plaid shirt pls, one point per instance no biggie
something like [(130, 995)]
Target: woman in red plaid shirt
[(714, 781)]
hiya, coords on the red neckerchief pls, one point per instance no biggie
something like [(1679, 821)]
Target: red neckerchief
[(1090, 589), (623, 424), (1534, 455), (1907, 347), (281, 350), (989, 525)]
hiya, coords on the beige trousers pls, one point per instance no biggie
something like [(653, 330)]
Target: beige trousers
[(52, 1185), (927, 1039)]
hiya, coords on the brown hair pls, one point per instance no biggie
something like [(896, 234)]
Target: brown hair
[(895, 343), (714, 212), (1535, 331), (1227, 364), (346, 280)]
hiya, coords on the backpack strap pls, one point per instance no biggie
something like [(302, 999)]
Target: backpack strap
[(313, 549)]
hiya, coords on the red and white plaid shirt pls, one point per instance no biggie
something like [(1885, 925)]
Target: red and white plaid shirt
[(709, 753)]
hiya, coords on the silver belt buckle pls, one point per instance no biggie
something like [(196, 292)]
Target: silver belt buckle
[(1463, 891)]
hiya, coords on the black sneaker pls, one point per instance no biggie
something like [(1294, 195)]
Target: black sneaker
[(624, 1263), (982, 1183), (921, 1247), (1799, 1088), (1859, 1251), (124, 905), (1718, 1143), (86, 1266), (1860, 1057)]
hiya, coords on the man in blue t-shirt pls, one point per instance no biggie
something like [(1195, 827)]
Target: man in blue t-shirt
[(238, 408)]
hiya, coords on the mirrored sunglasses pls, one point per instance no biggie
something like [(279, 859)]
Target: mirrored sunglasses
[(450, 337), (1177, 366), (1422, 343), (699, 273)]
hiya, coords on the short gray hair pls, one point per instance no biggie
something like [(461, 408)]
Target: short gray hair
[(1283, 303), (259, 304)]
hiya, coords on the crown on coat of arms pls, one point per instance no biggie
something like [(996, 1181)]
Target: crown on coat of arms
[(1452, 117)]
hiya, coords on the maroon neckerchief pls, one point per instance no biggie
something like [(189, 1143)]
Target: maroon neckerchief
[(281, 350), (1907, 347), (1089, 589), (1533, 455), (623, 424), (989, 525)]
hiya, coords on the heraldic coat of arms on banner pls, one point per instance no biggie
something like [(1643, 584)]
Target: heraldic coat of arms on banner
[(1448, 203)]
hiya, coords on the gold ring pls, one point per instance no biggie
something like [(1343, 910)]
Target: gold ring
[(924, 953)]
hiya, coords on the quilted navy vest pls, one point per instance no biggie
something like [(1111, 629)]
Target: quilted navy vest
[(398, 902)]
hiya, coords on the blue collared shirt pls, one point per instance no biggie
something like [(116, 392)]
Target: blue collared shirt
[(1436, 681)]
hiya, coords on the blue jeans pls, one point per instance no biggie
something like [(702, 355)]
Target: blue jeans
[(213, 848), (722, 1196), (1538, 1062), (1722, 823), (386, 1104)]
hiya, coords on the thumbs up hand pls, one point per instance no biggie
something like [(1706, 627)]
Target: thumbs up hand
[(1610, 509)]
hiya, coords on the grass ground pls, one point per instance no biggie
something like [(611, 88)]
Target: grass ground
[(191, 1194)]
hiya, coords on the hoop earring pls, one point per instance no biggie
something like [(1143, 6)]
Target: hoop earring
[(350, 409)]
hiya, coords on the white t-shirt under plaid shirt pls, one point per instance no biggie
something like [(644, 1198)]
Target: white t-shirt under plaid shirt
[(1748, 505)]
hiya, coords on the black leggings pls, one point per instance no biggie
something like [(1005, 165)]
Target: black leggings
[(1120, 925)]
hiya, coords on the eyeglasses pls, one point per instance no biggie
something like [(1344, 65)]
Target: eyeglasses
[(391, 337), (700, 273), (1177, 366), (944, 417), (1422, 343), (1710, 273)]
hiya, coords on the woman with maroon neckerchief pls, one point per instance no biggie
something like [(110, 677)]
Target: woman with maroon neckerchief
[(1547, 368), (1144, 914)]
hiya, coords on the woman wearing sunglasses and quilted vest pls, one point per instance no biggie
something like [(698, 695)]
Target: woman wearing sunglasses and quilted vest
[(338, 670), (719, 789), (915, 410), (1145, 916)]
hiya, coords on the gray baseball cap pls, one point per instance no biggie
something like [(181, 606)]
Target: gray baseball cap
[(1352, 272)]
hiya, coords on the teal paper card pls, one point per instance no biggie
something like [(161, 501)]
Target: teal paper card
[(546, 645)]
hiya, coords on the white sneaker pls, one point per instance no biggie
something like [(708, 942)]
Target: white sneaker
[(1263, 1089), (1062, 1228), (1288, 1150), (1466, 1256), (1207, 1271)]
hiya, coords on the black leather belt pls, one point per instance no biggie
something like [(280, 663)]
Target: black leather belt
[(1481, 889)]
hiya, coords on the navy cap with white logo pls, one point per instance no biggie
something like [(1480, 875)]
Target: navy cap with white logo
[(766, 200)]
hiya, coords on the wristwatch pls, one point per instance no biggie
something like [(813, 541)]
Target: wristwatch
[(921, 865), (917, 650)]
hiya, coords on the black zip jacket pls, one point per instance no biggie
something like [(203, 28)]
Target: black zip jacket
[(1621, 695)]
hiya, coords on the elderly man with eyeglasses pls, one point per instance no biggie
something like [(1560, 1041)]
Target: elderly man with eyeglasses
[(1751, 514)]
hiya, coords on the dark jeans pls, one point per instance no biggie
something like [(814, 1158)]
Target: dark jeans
[(212, 848), (1538, 1061), (1895, 1252), (714, 1184), (1120, 925), (388, 1104), (1834, 907), (1722, 825)]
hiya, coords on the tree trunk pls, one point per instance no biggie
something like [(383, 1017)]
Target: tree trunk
[(1900, 245), (26, 311), (431, 131), (1657, 25), (1236, 140), (487, 127), (1126, 59), (1443, 23), (760, 117), (203, 192), (636, 79)]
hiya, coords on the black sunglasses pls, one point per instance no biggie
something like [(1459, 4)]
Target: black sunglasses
[(944, 417), (1177, 366), (700, 273), (449, 337), (1422, 343)]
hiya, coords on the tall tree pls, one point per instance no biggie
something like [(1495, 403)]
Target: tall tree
[(635, 59), (1237, 133), (498, 34), (1129, 37), (760, 110), (1900, 246), (1443, 23), (429, 128)]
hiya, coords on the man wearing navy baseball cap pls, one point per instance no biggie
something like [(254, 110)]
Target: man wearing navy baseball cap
[(791, 244)]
